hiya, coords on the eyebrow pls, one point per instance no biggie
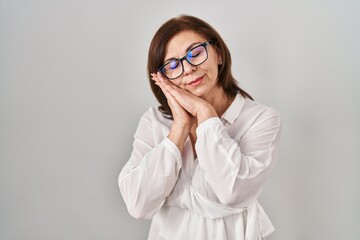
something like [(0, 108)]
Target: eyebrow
[(187, 49)]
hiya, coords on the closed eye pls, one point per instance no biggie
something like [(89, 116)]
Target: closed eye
[(195, 52), (173, 64)]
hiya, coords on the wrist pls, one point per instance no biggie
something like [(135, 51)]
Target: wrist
[(178, 134), (205, 114)]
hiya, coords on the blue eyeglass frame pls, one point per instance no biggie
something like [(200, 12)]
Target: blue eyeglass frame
[(204, 44)]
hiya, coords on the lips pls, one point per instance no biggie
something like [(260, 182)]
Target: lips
[(196, 81)]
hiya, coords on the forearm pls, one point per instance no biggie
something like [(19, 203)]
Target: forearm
[(146, 180), (236, 170), (178, 134)]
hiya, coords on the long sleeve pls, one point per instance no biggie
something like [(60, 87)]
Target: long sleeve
[(152, 170), (237, 169)]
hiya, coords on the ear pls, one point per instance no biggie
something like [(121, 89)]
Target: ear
[(219, 57), (219, 60)]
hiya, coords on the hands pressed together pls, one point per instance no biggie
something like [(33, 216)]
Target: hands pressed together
[(187, 109)]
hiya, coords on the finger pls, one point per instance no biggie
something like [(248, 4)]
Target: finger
[(155, 77), (174, 105), (182, 97), (166, 84), (160, 77), (161, 82)]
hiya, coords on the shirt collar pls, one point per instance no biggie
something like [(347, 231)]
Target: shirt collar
[(233, 111)]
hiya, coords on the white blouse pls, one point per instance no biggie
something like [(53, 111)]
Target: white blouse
[(213, 196)]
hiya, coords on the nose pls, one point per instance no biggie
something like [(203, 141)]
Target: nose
[(188, 68)]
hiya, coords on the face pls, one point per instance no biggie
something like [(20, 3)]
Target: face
[(200, 80)]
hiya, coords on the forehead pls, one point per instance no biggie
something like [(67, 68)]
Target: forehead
[(178, 44)]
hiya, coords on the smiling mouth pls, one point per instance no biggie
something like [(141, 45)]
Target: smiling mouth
[(196, 81)]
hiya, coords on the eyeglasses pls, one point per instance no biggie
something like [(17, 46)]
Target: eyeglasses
[(195, 56)]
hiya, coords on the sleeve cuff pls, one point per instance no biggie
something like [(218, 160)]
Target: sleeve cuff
[(168, 144), (207, 124)]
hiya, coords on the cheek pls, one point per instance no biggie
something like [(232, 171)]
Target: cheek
[(213, 71), (212, 65), (178, 82)]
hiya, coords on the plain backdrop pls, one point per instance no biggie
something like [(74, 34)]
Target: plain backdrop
[(73, 87)]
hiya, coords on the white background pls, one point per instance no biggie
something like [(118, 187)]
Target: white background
[(73, 87)]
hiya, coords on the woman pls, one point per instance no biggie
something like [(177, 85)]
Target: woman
[(199, 161)]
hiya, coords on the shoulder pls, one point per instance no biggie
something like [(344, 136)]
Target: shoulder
[(254, 113), (259, 109), (153, 115)]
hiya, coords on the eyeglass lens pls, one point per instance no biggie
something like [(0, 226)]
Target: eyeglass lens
[(195, 56)]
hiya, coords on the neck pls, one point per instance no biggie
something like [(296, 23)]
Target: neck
[(220, 101)]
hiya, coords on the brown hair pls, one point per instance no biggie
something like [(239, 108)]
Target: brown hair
[(157, 53)]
